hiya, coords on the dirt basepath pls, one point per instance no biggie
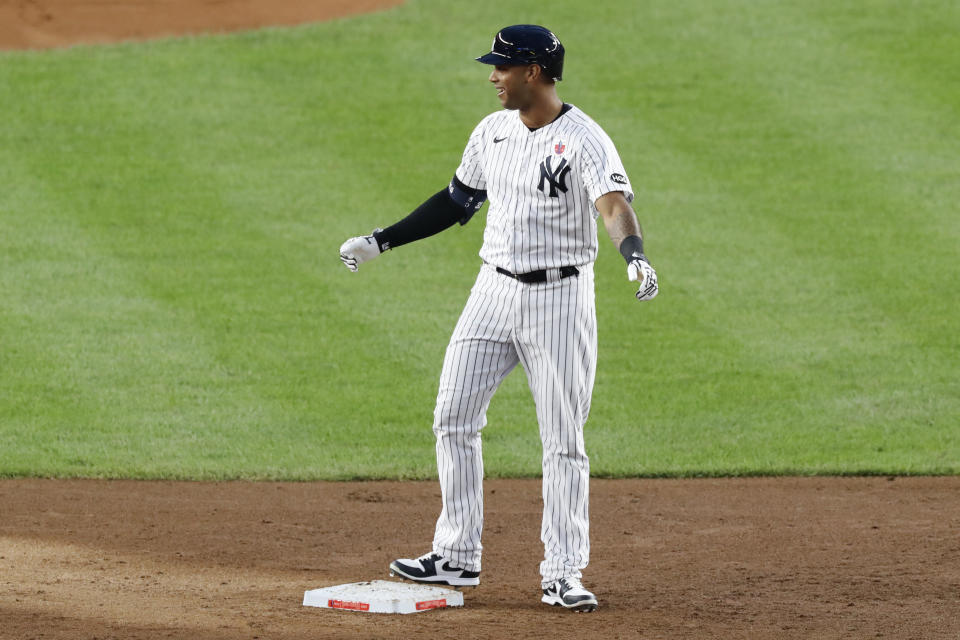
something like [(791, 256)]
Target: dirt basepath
[(44, 24), (758, 558)]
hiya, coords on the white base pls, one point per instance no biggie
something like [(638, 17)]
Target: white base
[(383, 596)]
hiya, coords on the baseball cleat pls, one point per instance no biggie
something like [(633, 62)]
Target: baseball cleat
[(432, 568), (569, 594)]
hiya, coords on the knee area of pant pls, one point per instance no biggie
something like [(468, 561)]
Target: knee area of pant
[(456, 432)]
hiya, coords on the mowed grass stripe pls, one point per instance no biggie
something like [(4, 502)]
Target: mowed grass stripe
[(229, 169), (876, 155), (148, 223), (90, 355), (824, 336), (904, 136)]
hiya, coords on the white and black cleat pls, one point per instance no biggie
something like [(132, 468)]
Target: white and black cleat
[(432, 568), (569, 594)]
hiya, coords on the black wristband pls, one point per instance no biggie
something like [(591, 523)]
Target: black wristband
[(380, 240), (632, 248)]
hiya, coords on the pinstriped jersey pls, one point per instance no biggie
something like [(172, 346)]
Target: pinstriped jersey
[(542, 186)]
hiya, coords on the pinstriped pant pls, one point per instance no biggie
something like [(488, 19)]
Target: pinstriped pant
[(549, 328)]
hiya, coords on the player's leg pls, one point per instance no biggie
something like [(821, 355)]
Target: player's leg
[(557, 344), (479, 356)]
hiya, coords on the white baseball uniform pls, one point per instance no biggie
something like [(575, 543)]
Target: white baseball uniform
[(542, 186)]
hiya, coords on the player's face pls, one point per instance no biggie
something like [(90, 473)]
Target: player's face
[(512, 84)]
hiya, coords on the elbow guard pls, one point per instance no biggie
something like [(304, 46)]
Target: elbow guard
[(467, 198)]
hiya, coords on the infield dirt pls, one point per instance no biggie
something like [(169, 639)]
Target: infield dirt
[(733, 558), (44, 24)]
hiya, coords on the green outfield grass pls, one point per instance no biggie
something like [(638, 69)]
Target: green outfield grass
[(170, 212)]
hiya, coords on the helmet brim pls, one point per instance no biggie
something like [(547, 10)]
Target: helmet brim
[(498, 58)]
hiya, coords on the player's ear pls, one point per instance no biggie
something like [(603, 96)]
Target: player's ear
[(533, 72)]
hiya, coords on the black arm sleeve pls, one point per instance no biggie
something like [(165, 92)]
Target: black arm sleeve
[(456, 203)]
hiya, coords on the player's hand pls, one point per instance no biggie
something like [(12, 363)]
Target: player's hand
[(358, 250), (640, 270)]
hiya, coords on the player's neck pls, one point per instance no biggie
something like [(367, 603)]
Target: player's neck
[(543, 111)]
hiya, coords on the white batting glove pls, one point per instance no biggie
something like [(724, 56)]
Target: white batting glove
[(640, 270), (358, 250)]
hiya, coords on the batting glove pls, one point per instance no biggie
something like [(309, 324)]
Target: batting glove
[(640, 270), (358, 250)]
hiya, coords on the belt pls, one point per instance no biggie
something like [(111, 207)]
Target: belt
[(539, 276)]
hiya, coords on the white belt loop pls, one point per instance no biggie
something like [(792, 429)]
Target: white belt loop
[(553, 275)]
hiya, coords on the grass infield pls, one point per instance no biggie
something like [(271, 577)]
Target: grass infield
[(173, 305)]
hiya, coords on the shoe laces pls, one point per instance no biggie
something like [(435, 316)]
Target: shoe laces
[(430, 555), (571, 583)]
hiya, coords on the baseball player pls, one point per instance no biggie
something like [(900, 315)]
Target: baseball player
[(549, 172)]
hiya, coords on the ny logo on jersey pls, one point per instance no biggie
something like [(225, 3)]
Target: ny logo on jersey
[(556, 177)]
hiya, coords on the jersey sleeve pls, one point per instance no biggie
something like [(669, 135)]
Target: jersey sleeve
[(603, 170), (470, 171)]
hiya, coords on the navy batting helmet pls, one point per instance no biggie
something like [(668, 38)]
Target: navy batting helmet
[(527, 44)]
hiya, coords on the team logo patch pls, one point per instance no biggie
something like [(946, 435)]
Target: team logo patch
[(559, 147), (619, 178), (556, 177)]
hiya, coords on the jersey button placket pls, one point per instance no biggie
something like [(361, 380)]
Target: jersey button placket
[(518, 218)]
